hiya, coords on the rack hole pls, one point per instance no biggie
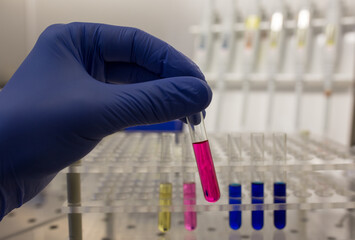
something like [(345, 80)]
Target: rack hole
[(52, 227), (131, 226), (211, 229), (11, 214), (38, 205)]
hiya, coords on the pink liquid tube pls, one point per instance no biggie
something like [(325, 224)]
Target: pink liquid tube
[(189, 202), (203, 157), (206, 170)]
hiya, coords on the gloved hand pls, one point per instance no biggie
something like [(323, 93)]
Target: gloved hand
[(80, 83)]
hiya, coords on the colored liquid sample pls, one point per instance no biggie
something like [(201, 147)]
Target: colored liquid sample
[(235, 197), (206, 170), (280, 197), (257, 216), (190, 200), (164, 219)]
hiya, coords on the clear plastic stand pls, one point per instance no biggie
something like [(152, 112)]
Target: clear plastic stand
[(125, 178)]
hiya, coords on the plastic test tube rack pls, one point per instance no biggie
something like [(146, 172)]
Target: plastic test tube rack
[(127, 178)]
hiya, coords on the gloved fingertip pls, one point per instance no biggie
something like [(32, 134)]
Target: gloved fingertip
[(195, 118), (200, 73), (205, 93)]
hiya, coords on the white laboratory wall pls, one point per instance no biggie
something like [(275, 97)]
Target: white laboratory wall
[(12, 37), (22, 21)]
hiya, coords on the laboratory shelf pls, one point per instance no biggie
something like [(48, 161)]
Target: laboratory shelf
[(123, 174), (265, 25)]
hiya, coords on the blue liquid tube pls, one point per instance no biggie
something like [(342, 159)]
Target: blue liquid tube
[(235, 180), (279, 160), (257, 185)]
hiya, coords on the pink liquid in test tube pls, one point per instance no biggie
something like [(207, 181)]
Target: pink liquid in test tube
[(189, 201), (206, 170)]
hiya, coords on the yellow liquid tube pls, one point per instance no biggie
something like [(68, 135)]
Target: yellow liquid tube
[(330, 34), (252, 24), (164, 220)]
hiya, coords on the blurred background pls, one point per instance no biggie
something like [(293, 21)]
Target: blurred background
[(22, 22), (178, 22), (273, 65)]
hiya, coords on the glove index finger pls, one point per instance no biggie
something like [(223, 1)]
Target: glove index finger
[(157, 101), (131, 45)]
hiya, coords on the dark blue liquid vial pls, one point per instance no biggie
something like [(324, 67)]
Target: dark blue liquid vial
[(257, 194), (280, 197), (235, 197)]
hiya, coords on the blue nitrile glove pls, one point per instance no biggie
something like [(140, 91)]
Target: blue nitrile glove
[(62, 101)]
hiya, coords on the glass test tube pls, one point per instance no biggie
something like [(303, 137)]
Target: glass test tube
[(205, 40), (279, 161), (165, 194), (332, 35), (302, 55), (251, 47), (276, 26), (257, 185), (189, 186), (252, 24), (235, 179), (276, 49), (203, 157), (167, 140), (303, 23), (165, 187)]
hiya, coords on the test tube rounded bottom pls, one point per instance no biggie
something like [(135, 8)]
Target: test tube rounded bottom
[(206, 170), (257, 216), (164, 218), (164, 221), (190, 216), (235, 197), (280, 197)]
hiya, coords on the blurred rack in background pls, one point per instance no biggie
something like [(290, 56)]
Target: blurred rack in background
[(277, 66)]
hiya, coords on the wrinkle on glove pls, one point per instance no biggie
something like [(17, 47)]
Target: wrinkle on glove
[(80, 83)]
